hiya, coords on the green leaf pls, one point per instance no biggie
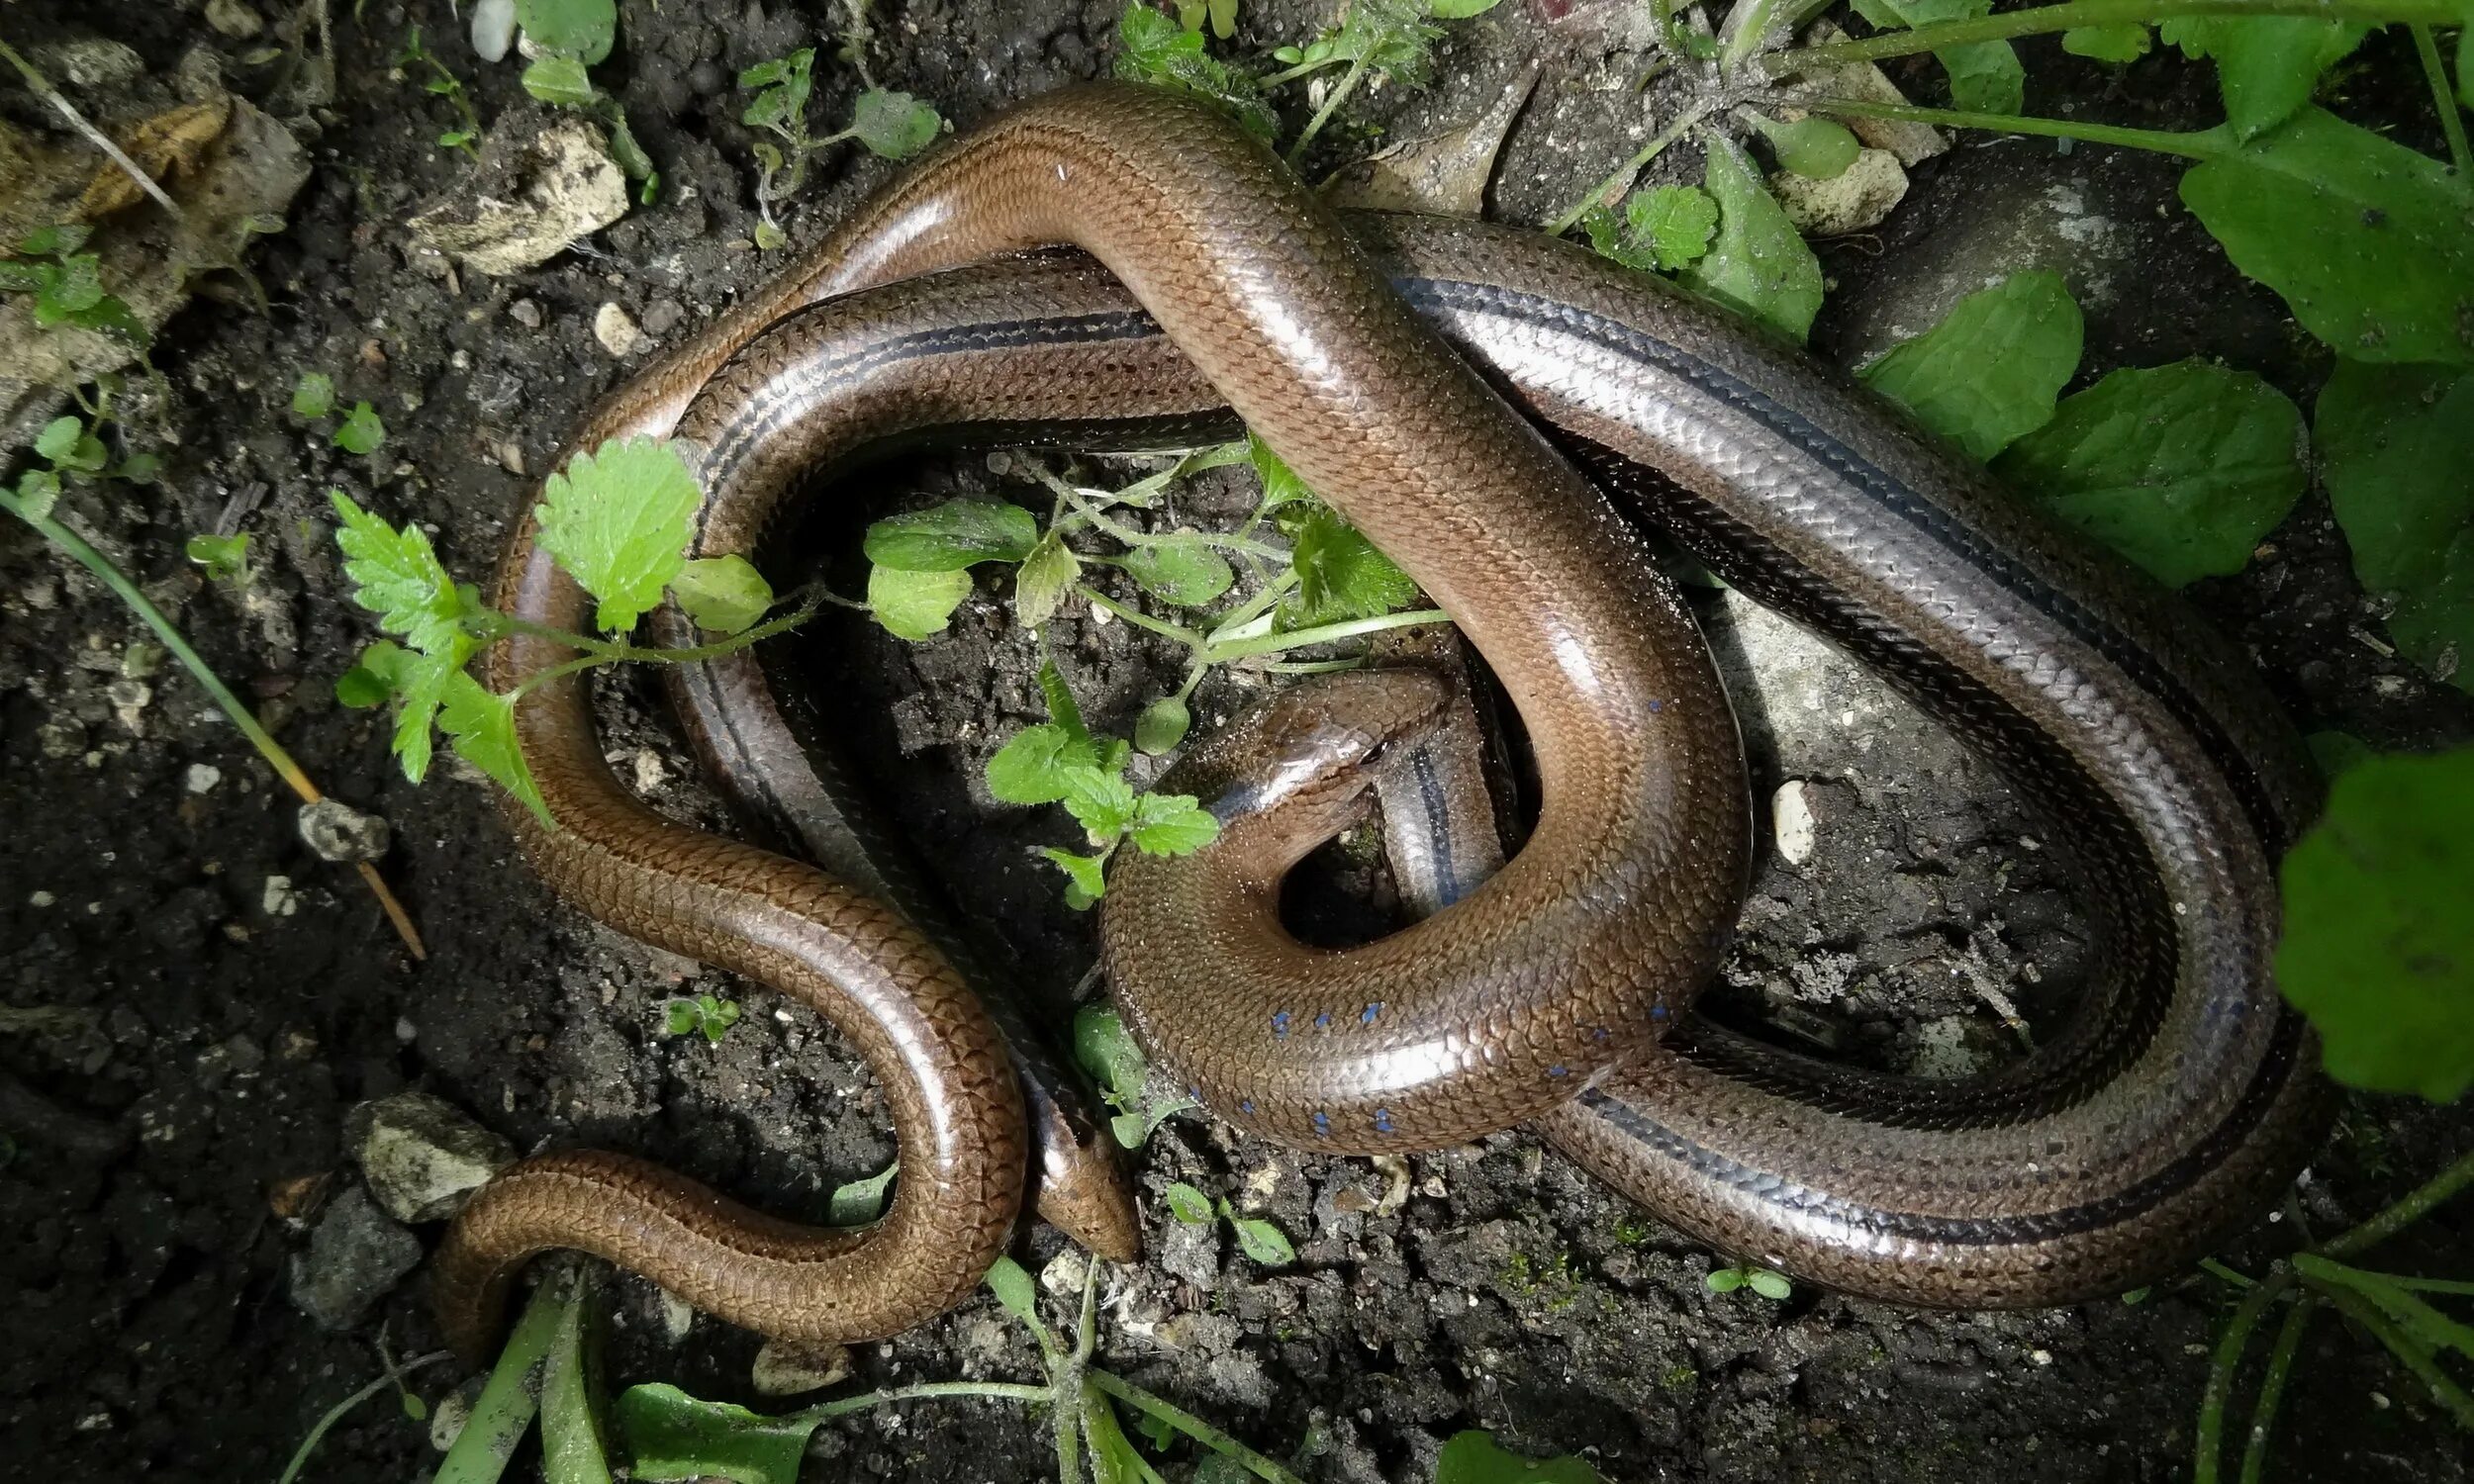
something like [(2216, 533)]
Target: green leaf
[(225, 558), (504, 1413), (679, 1016), (2180, 468), (482, 725), (862, 1201), (1475, 1457), (38, 491), (583, 29), (315, 395), (1759, 266), (53, 241), (58, 440), (2125, 43), (1155, 48), (1163, 724), (1038, 765), (1726, 1280), (617, 519), (420, 692), (1454, 10), (1260, 1239), (138, 469), (1130, 1129), (1168, 824), (76, 287), (1813, 148), (915, 605), (573, 1451), (1340, 574), (1100, 800), (1186, 573), (1769, 1285), (1281, 484), (1042, 581), (673, 1436), (2266, 65), (2378, 948), (783, 104), (1985, 77), (110, 314), (1992, 368), (372, 682), (2366, 239), (951, 536), (1014, 1289), (360, 431), (1107, 1052), (1188, 1204), (723, 594), (2395, 444), (1084, 884), (396, 575), (1058, 697), (1674, 223), (559, 81), (2338, 752), (895, 125), (16, 277)]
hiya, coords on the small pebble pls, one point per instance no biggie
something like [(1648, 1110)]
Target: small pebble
[(1791, 814), (203, 776), (662, 316), (617, 333), (526, 313), (279, 899), (339, 832)]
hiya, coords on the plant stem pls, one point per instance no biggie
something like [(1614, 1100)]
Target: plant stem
[(337, 1413), (2416, 1204), (2051, 18), (2451, 1397), (2220, 1368), (2238, 1281), (1331, 102), (41, 88), (1192, 1426), (2204, 143), (1611, 190), (2430, 1285), (240, 715), (1138, 618), (1324, 633), (2451, 124), (2272, 1386)]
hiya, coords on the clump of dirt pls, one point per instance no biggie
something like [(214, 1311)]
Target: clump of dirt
[(192, 1001)]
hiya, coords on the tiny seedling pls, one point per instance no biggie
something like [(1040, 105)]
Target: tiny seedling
[(66, 285), (361, 431), (568, 36), (223, 559), (441, 83), (707, 1015), (1762, 1280), (890, 124), (1258, 1238)]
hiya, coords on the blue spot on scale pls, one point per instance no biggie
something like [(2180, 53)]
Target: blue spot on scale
[(1279, 1023), (1383, 1120), (1246, 1106), (1658, 705), (1371, 1012), (1195, 1091), (1597, 1033), (1558, 1070), (1322, 1124), (1658, 1012), (1322, 1022)]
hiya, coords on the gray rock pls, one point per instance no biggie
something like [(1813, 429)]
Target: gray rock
[(1191, 1252), (421, 1156), (355, 1257), (535, 197), (339, 832)]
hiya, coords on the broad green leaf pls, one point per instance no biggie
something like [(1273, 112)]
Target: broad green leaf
[(2125, 42), (2338, 752), (1084, 881), (1168, 824), (1188, 1204), (2395, 444), (1814, 147), (1042, 581), (396, 575), (895, 126), (1992, 368), (573, 1451), (20, 277), (1985, 77), (722, 593), (1340, 574), (1014, 1289), (225, 558), (1163, 724), (1188, 573), (482, 724), (559, 81), (1038, 765), (862, 1201), (1726, 1280), (2379, 947), (76, 287), (2266, 65), (1769, 1285), (360, 431), (583, 29), (1100, 800), (371, 681), (1260, 1239), (1155, 48), (673, 1436), (58, 440), (1106, 1052), (1475, 1457), (1759, 266), (617, 519), (2180, 468), (2366, 239), (915, 605), (1281, 484), (315, 395), (1675, 223)]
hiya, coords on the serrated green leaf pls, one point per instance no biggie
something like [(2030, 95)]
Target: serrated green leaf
[(1281, 484), (1813, 148), (956, 534), (1162, 726), (2365, 238), (1038, 765), (2125, 42), (315, 395), (1100, 801), (1188, 573), (1673, 223), (223, 557), (1083, 874), (1340, 573), (2378, 949), (2266, 65), (77, 286), (1155, 48), (38, 491), (673, 1436), (1263, 1241), (1015, 1290), (895, 125), (396, 575), (1475, 1457), (1106, 1052), (1188, 1204), (360, 431), (2181, 467), (482, 725), (421, 686), (1041, 583), (1759, 266), (2395, 443), (862, 1201), (58, 440), (915, 605), (722, 593), (1991, 370), (1609, 239), (1985, 77), (616, 519), (680, 1016), (583, 29), (1168, 824), (559, 81)]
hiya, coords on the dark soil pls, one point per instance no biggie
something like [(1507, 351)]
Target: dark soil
[(194, 1001)]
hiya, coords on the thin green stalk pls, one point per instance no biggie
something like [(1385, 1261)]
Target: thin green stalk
[(2238, 1281), (2416, 1205), (1611, 190), (1192, 1426), (2051, 17), (1256, 606), (2221, 1369), (2272, 1386), (1099, 1420), (2430, 1285), (1324, 633), (2451, 124), (1139, 618), (1331, 103), (2205, 143), (614, 651), (337, 1412), (1132, 537), (2451, 1397), (1006, 1391)]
